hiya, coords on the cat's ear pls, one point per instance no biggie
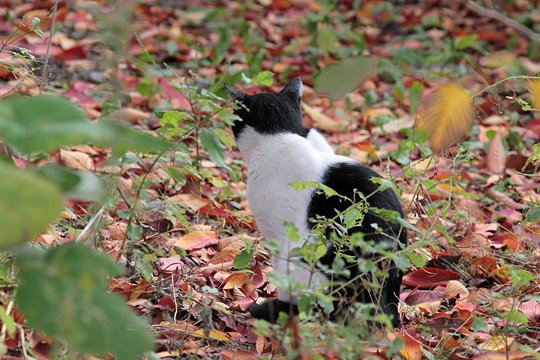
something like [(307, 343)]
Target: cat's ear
[(294, 89), (234, 93)]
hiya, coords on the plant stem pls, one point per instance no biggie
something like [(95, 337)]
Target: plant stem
[(49, 43), (516, 77)]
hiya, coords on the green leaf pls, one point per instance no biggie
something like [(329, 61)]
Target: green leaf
[(62, 292), (418, 259), (533, 215), (7, 321), (214, 148), (243, 258), (134, 232), (327, 40), (46, 123), (265, 78), (479, 324), (415, 95), (78, 184), (516, 316), (122, 139), (27, 205), (466, 41), (338, 79), (301, 185)]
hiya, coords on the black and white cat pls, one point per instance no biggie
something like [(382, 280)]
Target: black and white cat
[(279, 150)]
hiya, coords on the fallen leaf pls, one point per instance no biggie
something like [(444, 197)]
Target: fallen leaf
[(412, 349), (235, 280), (535, 91), (496, 343), (531, 308), (429, 308), (212, 334), (511, 355), (484, 265), (194, 240), (445, 115), (496, 155), (429, 277), (238, 355), (320, 120), (454, 289), (76, 160), (189, 201)]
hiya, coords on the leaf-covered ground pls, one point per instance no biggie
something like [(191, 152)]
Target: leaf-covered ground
[(180, 223)]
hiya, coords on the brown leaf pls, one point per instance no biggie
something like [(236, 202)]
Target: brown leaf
[(194, 240), (484, 265), (190, 201), (496, 155), (238, 355), (235, 280), (446, 116), (503, 199), (76, 160), (454, 289), (321, 121)]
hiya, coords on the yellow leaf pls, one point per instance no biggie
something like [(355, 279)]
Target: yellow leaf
[(212, 334), (446, 116), (496, 343), (535, 91)]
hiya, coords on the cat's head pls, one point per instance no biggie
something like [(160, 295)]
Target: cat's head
[(270, 113)]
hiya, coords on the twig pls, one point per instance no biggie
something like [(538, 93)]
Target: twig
[(516, 77), (494, 14), (49, 43)]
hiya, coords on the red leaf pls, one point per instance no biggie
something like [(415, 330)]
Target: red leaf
[(416, 297), (429, 277)]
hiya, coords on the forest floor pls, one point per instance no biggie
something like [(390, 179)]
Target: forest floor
[(179, 221)]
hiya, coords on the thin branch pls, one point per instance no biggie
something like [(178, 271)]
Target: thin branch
[(516, 77), (44, 76), (494, 14)]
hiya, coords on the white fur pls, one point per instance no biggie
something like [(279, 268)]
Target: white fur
[(273, 162)]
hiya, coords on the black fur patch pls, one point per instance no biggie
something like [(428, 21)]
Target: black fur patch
[(270, 309), (348, 179), (270, 113)]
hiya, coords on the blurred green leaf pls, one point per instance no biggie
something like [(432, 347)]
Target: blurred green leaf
[(533, 215), (62, 292), (78, 184), (415, 96), (46, 123), (516, 316), (7, 321), (338, 79), (327, 40), (265, 78), (466, 41), (27, 205), (214, 148)]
